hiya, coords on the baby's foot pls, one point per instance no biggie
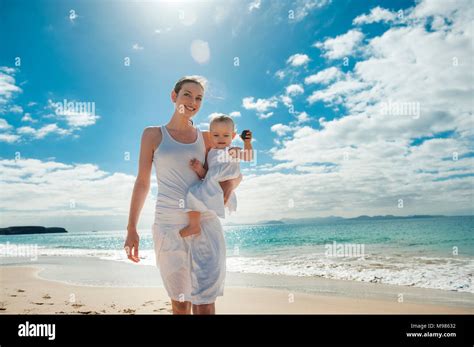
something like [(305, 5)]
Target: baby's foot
[(190, 230)]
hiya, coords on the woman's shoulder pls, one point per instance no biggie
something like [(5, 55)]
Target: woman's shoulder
[(152, 135), (204, 133), (153, 130), (207, 138)]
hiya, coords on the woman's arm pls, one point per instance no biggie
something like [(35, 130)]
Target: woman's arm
[(140, 190)]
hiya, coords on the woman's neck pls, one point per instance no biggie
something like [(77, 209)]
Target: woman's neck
[(179, 122)]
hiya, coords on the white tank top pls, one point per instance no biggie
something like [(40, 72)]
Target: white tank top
[(174, 176)]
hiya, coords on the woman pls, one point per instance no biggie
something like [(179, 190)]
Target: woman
[(192, 268)]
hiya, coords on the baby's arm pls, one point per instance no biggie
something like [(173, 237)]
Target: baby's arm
[(247, 153), (198, 168)]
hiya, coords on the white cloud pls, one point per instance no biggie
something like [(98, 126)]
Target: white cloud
[(254, 5), (200, 51), (280, 74), (7, 70), (212, 115), (74, 196), (447, 9), (264, 115), (203, 126), (287, 101), (298, 59), (79, 119), (364, 161), (83, 116), (324, 76), (16, 109), (4, 124), (8, 86), (377, 14), (294, 89), (27, 118), (8, 89), (137, 47), (303, 117), (260, 105), (302, 8), (341, 46), (9, 138), (338, 91), (161, 31), (40, 133), (26, 130), (235, 114), (281, 129), (351, 190), (77, 114)]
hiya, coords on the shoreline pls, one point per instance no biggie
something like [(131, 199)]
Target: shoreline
[(93, 271), (26, 288)]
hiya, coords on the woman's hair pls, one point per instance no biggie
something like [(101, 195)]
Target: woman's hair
[(222, 118), (201, 81)]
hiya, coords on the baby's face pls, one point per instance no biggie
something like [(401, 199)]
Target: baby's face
[(222, 134)]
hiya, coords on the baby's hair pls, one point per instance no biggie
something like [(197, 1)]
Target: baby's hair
[(199, 80), (222, 118)]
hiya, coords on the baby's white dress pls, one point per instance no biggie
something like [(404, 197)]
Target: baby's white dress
[(207, 195)]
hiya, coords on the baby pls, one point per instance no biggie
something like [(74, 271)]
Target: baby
[(223, 165)]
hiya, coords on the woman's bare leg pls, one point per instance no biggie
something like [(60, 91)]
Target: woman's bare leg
[(181, 307), (204, 309)]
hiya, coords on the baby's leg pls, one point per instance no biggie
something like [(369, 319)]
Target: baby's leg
[(194, 226)]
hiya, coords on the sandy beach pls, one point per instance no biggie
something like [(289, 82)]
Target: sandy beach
[(23, 291)]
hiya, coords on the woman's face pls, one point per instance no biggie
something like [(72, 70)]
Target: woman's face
[(188, 100)]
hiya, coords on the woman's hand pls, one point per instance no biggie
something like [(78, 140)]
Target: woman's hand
[(131, 244), (229, 186)]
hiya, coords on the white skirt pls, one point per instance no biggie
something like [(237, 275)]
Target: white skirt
[(192, 268)]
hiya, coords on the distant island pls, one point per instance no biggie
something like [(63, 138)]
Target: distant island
[(332, 219), (363, 217), (20, 230), (273, 222)]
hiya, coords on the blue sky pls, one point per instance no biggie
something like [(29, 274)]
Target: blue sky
[(334, 63)]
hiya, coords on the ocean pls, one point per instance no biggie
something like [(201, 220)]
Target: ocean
[(435, 252)]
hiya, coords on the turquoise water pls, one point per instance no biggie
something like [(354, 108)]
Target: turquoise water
[(418, 252), (435, 236)]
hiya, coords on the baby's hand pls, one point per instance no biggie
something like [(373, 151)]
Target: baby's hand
[(246, 136), (195, 164)]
